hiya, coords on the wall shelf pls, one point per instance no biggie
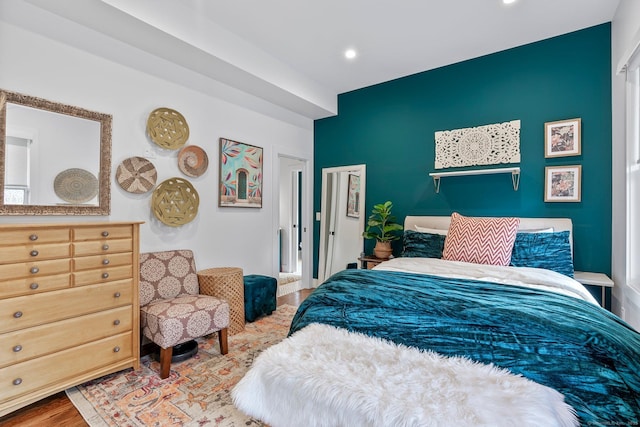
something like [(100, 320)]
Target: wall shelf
[(515, 175)]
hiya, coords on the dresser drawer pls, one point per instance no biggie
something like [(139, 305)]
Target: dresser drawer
[(95, 247), (35, 269), (34, 235), (102, 232), (102, 261), (32, 285), (29, 343), (34, 252), (22, 378), (103, 275), (32, 310)]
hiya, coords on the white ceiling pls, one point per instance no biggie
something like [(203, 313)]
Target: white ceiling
[(290, 52), (394, 38)]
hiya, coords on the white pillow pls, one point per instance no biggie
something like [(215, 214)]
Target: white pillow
[(539, 230), (431, 230)]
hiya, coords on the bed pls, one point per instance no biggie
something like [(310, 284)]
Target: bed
[(550, 331)]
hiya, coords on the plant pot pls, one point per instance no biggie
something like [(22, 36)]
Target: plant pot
[(382, 250)]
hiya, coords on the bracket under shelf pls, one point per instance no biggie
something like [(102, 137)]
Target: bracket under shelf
[(515, 175)]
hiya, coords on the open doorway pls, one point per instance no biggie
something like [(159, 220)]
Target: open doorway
[(290, 229), (341, 220)]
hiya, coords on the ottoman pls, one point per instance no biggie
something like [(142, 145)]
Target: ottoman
[(259, 296)]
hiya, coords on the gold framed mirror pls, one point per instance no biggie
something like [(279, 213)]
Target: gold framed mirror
[(55, 159)]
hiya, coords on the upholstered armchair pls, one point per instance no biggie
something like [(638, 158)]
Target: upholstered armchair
[(172, 311)]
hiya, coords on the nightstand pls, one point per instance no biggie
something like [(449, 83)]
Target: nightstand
[(594, 279), (369, 261)]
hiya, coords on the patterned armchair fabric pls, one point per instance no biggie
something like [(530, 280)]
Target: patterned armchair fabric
[(166, 275), (172, 311)]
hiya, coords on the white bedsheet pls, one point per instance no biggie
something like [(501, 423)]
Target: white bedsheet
[(538, 278)]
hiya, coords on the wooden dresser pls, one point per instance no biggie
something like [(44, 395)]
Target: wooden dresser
[(69, 308)]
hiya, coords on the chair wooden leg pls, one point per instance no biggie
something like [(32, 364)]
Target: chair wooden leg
[(165, 361), (222, 337)]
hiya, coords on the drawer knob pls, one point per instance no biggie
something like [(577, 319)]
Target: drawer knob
[(105, 275), (105, 247), (17, 348), (34, 253), (17, 381), (34, 270), (17, 314), (116, 349), (117, 295), (105, 234), (33, 237), (105, 262), (116, 322), (34, 286)]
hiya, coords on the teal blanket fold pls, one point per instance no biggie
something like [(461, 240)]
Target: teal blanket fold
[(573, 346)]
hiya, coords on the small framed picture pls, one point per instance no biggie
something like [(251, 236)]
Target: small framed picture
[(562, 183), (353, 196), (562, 138)]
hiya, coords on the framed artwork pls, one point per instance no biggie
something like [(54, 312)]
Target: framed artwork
[(562, 138), (562, 183), (353, 196), (240, 175)]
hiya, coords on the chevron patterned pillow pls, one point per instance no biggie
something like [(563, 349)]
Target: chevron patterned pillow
[(480, 240)]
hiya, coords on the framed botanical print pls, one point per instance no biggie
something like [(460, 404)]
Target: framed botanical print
[(240, 175), (353, 196), (562, 183), (562, 138)]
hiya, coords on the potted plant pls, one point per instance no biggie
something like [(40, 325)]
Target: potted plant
[(382, 226)]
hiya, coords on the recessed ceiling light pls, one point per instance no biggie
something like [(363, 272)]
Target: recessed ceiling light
[(350, 53), (508, 1)]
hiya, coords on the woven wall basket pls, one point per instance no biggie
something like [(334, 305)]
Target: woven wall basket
[(193, 161), (167, 128), (136, 175), (175, 202)]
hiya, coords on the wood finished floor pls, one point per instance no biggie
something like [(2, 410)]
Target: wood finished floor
[(57, 410)]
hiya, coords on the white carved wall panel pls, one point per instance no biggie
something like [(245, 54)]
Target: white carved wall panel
[(483, 145)]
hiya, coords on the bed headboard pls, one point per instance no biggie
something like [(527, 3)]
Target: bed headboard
[(442, 222)]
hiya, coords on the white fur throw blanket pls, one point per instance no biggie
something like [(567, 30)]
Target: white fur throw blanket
[(324, 376)]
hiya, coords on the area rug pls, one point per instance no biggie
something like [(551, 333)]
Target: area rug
[(197, 392)]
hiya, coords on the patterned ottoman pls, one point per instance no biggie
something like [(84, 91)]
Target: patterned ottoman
[(259, 296)]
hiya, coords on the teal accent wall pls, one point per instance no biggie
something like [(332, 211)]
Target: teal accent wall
[(390, 127)]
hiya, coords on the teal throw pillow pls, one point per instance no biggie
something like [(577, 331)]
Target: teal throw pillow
[(543, 250), (422, 245)]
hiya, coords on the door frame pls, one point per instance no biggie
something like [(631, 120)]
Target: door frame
[(322, 256), (306, 223)]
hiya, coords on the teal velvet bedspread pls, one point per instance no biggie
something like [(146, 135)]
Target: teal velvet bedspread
[(575, 347)]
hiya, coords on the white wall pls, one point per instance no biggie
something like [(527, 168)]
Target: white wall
[(625, 30), (241, 237)]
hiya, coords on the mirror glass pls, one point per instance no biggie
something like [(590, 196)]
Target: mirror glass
[(54, 158), (342, 219)]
